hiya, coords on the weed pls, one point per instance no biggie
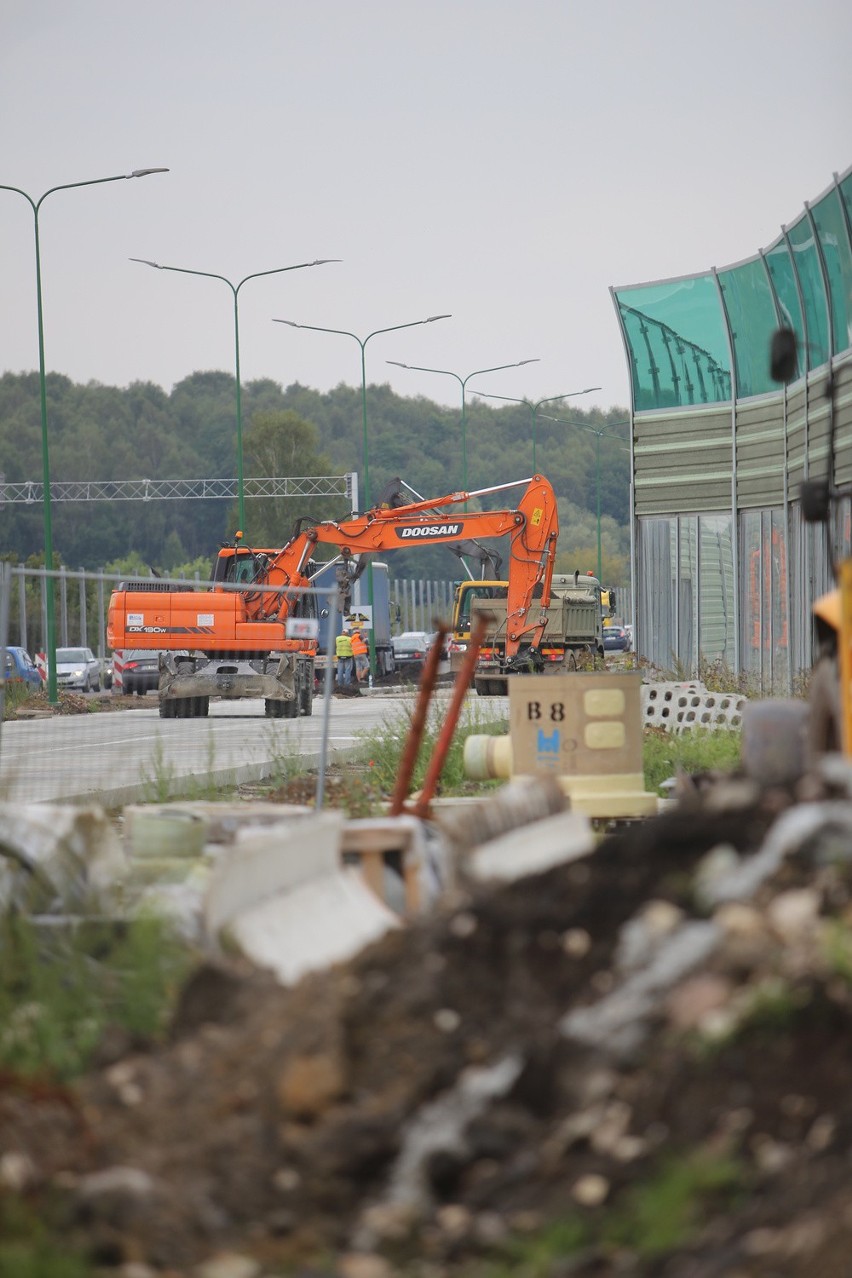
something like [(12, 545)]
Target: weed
[(664, 1210), (837, 943), (534, 1257), (382, 747), (718, 676), (359, 792), (26, 1249), (772, 1009), (14, 696), (698, 750), (765, 1012), (667, 1209), (286, 761), (162, 783), (159, 781), (61, 987)]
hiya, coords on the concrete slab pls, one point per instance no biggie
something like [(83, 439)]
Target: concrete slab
[(312, 926), (531, 849), (266, 862)]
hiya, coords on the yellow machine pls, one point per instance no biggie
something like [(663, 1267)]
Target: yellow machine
[(573, 634)]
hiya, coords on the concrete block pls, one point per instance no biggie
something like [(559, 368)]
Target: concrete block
[(266, 862), (532, 848), (679, 706), (57, 857), (311, 926)]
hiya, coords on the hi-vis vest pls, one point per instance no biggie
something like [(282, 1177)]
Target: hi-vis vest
[(359, 647), (343, 646)]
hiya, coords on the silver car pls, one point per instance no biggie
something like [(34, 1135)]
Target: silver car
[(78, 668)]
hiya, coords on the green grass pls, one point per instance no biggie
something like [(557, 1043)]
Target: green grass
[(667, 1208), (15, 695), (837, 946), (664, 1209), (28, 1246), (382, 749), (61, 987), (698, 750)]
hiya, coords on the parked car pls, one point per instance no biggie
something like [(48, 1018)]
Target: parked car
[(140, 672), (616, 639), (20, 668), (409, 652), (78, 668)]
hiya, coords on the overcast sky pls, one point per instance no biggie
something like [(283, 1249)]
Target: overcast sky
[(503, 162)]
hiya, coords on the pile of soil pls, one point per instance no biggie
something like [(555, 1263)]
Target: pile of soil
[(36, 703), (428, 1108)]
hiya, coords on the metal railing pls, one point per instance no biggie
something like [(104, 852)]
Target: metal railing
[(30, 491)]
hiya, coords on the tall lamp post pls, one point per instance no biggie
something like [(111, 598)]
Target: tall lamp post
[(235, 289), (599, 433), (462, 381), (534, 407), (362, 342), (35, 205)]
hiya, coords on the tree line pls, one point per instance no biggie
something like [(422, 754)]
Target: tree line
[(99, 432)]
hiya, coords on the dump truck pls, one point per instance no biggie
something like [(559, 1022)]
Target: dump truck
[(572, 636)]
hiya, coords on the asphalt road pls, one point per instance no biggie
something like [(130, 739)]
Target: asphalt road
[(133, 755)]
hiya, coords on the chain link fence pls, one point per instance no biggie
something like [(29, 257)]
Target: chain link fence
[(80, 748)]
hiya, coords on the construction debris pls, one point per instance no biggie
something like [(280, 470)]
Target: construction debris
[(632, 1062)]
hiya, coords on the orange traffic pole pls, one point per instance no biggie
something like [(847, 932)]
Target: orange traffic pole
[(448, 728), (408, 761)]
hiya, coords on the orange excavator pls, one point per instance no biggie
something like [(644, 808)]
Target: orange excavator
[(255, 640)]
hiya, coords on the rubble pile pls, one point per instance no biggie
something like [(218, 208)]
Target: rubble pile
[(633, 1063)]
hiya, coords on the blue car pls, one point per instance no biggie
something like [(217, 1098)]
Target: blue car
[(19, 668), (616, 639)]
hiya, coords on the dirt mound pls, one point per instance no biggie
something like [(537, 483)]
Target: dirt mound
[(603, 1065)]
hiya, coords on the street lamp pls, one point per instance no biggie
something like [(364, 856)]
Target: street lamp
[(534, 407), (362, 342), (463, 381), (235, 289), (599, 433), (35, 205)]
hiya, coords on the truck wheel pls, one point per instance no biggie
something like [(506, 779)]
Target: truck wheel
[(168, 709), (203, 707), (306, 699), (281, 709)]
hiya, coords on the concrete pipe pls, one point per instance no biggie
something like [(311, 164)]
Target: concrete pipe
[(486, 757)]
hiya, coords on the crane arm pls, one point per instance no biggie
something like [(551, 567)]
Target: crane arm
[(215, 620), (533, 528)]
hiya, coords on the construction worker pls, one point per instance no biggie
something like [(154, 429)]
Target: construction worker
[(345, 660), (361, 653)]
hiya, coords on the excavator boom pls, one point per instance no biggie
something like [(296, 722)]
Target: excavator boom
[(255, 619)]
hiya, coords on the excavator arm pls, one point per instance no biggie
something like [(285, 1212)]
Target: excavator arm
[(217, 620)]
